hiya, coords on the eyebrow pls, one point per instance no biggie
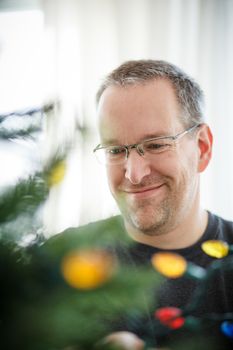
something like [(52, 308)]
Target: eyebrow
[(152, 136), (109, 142), (113, 142)]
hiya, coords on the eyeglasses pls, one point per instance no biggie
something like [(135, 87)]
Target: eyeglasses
[(113, 155)]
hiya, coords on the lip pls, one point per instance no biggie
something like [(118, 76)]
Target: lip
[(145, 192)]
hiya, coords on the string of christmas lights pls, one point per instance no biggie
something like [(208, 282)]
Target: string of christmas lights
[(173, 265)]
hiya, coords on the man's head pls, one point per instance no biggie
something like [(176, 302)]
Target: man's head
[(189, 95), (156, 187)]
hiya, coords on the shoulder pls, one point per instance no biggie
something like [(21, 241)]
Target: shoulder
[(101, 232), (110, 224), (223, 228)]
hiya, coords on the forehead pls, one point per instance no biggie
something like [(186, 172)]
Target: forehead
[(130, 113)]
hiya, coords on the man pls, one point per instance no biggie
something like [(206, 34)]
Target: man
[(155, 144), (156, 184)]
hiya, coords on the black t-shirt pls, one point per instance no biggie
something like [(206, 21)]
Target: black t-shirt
[(219, 294), (216, 299)]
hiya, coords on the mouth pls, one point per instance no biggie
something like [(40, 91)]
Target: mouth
[(145, 192)]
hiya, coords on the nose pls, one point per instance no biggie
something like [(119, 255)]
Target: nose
[(136, 167)]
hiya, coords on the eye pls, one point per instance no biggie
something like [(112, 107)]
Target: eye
[(115, 151), (154, 145), (157, 146)]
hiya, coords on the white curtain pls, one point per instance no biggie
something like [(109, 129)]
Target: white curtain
[(85, 39)]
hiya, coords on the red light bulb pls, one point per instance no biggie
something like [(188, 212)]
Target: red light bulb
[(170, 317)]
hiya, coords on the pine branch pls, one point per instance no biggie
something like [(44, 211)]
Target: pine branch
[(28, 111), (25, 197), (26, 133)]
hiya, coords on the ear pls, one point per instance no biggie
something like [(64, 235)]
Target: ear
[(205, 142)]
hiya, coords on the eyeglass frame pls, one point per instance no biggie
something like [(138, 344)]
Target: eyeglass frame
[(137, 145)]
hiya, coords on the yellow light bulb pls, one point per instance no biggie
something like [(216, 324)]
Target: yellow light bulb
[(216, 249), (87, 269), (169, 264), (57, 174)]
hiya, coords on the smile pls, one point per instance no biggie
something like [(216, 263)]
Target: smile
[(145, 192)]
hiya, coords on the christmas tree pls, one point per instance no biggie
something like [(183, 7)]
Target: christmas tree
[(70, 293), (53, 300)]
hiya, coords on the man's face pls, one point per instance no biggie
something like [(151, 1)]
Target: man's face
[(154, 194)]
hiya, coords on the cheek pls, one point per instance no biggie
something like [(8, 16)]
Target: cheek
[(179, 166), (115, 176), (166, 165), (188, 168)]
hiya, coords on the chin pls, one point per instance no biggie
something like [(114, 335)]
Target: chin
[(150, 229), (151, 222)]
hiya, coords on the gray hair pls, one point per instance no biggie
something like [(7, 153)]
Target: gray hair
[(188, 92)]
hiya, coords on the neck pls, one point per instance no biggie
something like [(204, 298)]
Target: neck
[(185, 234)]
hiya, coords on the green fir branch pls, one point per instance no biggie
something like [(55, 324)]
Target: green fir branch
[(25, 197)]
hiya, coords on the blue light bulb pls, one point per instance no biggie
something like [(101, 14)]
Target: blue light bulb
[(227, 329)]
